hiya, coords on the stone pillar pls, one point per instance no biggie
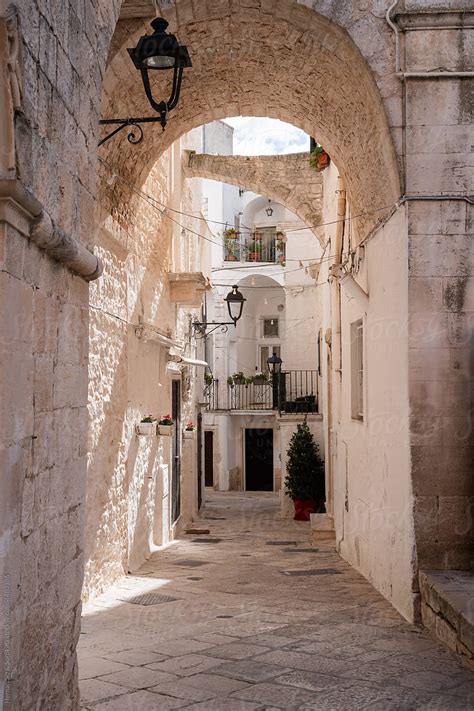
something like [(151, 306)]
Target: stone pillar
[(439, 177)]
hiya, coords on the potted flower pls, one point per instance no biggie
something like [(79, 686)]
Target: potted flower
[(239, 378), (305, 482), (261, 378), (165, 425), (231, 245), (318, 158), (189, 430), (146, 426)]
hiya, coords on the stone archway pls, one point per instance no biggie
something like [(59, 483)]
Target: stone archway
[(280, 60), (330, 69)]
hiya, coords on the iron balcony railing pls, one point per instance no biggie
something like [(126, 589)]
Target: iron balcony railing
[(211, 395), (293, 391), (268, 246)]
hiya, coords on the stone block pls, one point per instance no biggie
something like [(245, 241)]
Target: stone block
[(16, 298), (70, 385), (425, 294), (322, 527), (455, 518)]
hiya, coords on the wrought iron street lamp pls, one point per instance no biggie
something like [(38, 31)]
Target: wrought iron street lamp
[(235, 305), (269, 209), (274, 363), (159, 51)]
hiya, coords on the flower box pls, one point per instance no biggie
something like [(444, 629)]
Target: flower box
[(165, 430), (188, 434), (146, 428)]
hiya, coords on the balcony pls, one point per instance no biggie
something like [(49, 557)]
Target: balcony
[(268, 246), (298, 394)]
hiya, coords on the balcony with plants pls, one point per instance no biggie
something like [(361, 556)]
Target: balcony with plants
[(266, 246)]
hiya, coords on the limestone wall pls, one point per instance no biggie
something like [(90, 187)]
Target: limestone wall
[(129, 477)]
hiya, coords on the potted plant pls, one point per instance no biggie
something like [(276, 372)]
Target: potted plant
[(254, 251), (165, 425), (189, 430), (230, 233), (208, 378), (261, 378), (318, 158), (230, 381), (239, 378), (305, 481), (146, 426)]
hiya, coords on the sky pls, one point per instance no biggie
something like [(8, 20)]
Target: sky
[(265, 136)]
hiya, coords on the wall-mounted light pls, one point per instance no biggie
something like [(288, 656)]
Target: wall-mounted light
[(159, 51), (235, 305), (269, 209)]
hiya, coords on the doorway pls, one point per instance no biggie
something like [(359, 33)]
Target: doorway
[(259, 460), (209, 458), (176, 461)]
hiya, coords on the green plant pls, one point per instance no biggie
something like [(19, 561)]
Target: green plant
[(280, 245), (208, 378), (258, 377), (166, 420), (305, 468), (230, 233), (148, 418), (230, 381), (255, 246), (316, 156)]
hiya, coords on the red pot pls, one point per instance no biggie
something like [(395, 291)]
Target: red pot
[(303, 508)]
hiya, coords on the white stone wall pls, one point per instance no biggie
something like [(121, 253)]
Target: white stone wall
[(128, 494)]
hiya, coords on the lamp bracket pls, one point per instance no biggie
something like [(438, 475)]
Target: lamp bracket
[(202, 327), (132, 123)]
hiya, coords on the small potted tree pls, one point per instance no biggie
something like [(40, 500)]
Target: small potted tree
[(146, 426), (165, 425), (305, 481)]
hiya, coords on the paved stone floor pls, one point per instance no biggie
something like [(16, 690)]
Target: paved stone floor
[(258, 620)]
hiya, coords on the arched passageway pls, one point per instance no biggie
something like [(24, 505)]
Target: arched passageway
[(329, 69)]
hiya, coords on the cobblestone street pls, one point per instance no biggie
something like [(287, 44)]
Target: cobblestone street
[(251, 617)]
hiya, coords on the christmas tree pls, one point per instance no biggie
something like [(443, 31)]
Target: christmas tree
[(305, 469)]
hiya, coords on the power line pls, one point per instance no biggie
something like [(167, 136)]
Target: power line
[(145, 195)]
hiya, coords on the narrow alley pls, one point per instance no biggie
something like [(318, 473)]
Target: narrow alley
[(250, 616)]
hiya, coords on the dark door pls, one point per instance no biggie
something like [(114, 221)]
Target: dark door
[(209, 458), (199, 459), (176, 463), (259, 460)]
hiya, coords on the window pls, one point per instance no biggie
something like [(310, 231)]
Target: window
[(270, 328), (357, 370), (266, 352)]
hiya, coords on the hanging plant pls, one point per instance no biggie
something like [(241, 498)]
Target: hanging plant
[(318, 158)]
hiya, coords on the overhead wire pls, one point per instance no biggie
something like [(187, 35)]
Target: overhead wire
[(148, 197)]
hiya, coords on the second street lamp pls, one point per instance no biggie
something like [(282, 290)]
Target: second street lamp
[(274, 363), (235, 305)]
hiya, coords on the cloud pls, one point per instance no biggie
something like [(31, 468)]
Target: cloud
[(265, 136)]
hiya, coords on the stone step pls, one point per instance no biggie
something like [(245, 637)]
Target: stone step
[(322, 527), (447, 609)]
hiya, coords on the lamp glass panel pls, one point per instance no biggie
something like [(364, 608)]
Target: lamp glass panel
[(160, 62)]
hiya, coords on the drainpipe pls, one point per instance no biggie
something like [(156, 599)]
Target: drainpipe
[(335, 345), (64, 248)]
